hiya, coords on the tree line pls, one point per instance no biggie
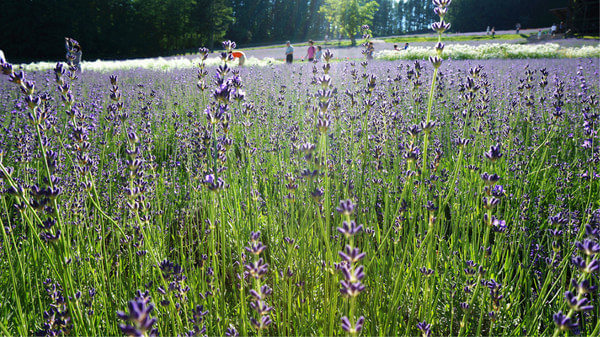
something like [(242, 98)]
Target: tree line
[(35, 29)]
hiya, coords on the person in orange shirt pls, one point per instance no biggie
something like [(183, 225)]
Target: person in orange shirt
[(240, 56)]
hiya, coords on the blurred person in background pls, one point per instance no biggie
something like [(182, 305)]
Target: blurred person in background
[(310, 52), (289, 53), (319, 54)]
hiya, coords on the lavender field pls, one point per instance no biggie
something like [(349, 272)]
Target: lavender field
[(349, 198)]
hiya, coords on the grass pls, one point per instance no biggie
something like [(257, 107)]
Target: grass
[(470, 190), (454, 38)]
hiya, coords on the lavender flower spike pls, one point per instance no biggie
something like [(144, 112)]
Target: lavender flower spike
[(440, 26), (140, 322), (350, 228), (346, 207), (348, 327), (563, 322), (425, 328), (588, 247)]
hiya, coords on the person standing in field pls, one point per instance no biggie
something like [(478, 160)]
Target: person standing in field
[(370, 50), (289, 53), (78, 54), (319, 54), (310, 52), (2, 57), (240, 56), (518, 27), (493, 32)]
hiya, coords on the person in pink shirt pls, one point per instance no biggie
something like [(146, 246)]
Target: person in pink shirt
[(310, 53)]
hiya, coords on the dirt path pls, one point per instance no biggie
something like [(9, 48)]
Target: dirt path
[(340, 52)]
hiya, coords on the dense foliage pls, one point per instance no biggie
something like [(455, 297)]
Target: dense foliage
[(346, 17), (476, 15), (34, 29)]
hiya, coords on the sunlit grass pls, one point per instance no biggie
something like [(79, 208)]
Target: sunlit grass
[(450, 37)]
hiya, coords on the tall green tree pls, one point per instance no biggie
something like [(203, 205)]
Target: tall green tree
[(346, 16), (384, 18), (210, 21)]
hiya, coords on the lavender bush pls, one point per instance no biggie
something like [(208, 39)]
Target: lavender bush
[(470, 199)]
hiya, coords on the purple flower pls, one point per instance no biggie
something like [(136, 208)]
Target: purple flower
[(214, 184), (563, 322), (257, 269), (352, 255), (426, 271), (495, 292), (256, 248), (260, 307), (425, 328), (352, 329), (203, 51), (497, 191), (494, 153), (440, 11), (262, 293), (317, 193), (579, 263), (490, 179), (352, 289), (229, 45), (327, 55), (489, 203), (140, 322), (262, 323), (591, 267), (588, 247), (351, 274), (49, 237), (576, 303), (439, 47), (231, 332), (223, 93), (346, 207), (436, 61), (442, 3), (7, 68), (349, 228), (440, 26)]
